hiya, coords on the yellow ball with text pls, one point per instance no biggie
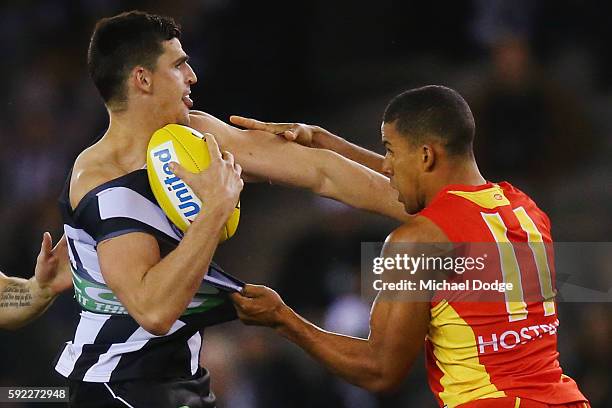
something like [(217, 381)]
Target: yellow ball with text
[(186, 146)]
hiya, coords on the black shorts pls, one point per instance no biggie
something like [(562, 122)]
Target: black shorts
[(174, 393)]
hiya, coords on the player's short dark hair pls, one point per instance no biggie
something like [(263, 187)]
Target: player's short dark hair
[(120, 43), (433, 111)]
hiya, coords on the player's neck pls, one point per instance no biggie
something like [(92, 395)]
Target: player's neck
[(128, 134), (463, 173)]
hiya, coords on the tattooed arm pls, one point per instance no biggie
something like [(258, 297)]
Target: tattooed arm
[(21, 300)]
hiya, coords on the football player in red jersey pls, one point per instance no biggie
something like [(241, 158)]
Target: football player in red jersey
[(479, 354)]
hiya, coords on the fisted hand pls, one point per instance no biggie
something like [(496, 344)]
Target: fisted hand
[(218, 186), (259, 306), (293, 132)]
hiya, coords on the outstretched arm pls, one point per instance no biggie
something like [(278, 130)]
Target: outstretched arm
[(317, 137), (378, 363), (266, 156), (21, 300), (398, 322), (398, 325)]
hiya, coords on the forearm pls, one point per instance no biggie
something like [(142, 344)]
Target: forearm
[(168, 287), (21, 301), (357, 186), (324, 139), (351, 358)]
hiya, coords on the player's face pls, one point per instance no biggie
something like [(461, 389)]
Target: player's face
[(401, 166), (172, 82)]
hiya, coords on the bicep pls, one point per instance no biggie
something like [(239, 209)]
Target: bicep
[(400, 319), (124, 261), (268, 157), (397, 333)]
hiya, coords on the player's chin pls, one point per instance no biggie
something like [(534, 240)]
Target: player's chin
[(410, 206), (183, 117), (410, 209)]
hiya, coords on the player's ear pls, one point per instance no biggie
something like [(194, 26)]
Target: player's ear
[(142, 79), (428, 158)]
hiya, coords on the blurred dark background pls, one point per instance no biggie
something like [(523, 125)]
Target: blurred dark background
[(536, 73)]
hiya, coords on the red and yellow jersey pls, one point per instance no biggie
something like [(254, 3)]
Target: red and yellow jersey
[(507, 348)]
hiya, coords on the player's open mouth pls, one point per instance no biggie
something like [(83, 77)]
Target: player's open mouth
[(187, 101)]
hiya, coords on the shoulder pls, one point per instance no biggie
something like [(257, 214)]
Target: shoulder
[(89, 172), (198, 117), (519, 198), (205, 122), (227, 136), (417, 229), (418, 237)]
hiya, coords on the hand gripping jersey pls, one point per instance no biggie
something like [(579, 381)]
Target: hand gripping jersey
[(109, 345), (504, 348)]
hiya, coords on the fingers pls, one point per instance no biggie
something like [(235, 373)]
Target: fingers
[(253, 291), (61, 244), (213, 147), (258, 305), (239, 300), (46, 245), (181, 172), (254, 124), (289, 135), (249, 123), (248, 291), (61, 250), (228, 157)]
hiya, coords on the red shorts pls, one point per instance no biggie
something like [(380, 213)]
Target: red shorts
[(515, 402)]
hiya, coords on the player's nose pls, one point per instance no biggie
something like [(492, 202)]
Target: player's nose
[(192, 78), (387, 168)]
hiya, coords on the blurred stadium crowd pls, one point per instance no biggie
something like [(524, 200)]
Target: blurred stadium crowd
[(537, 75)]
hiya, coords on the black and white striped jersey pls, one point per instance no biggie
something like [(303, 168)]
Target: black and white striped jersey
[(109, 345)]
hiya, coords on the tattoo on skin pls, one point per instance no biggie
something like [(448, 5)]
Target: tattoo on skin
[(15, 295)]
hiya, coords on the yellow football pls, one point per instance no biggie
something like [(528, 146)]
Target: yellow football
[(186, 146)]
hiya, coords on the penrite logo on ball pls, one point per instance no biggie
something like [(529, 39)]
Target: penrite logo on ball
[(181, 196)]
